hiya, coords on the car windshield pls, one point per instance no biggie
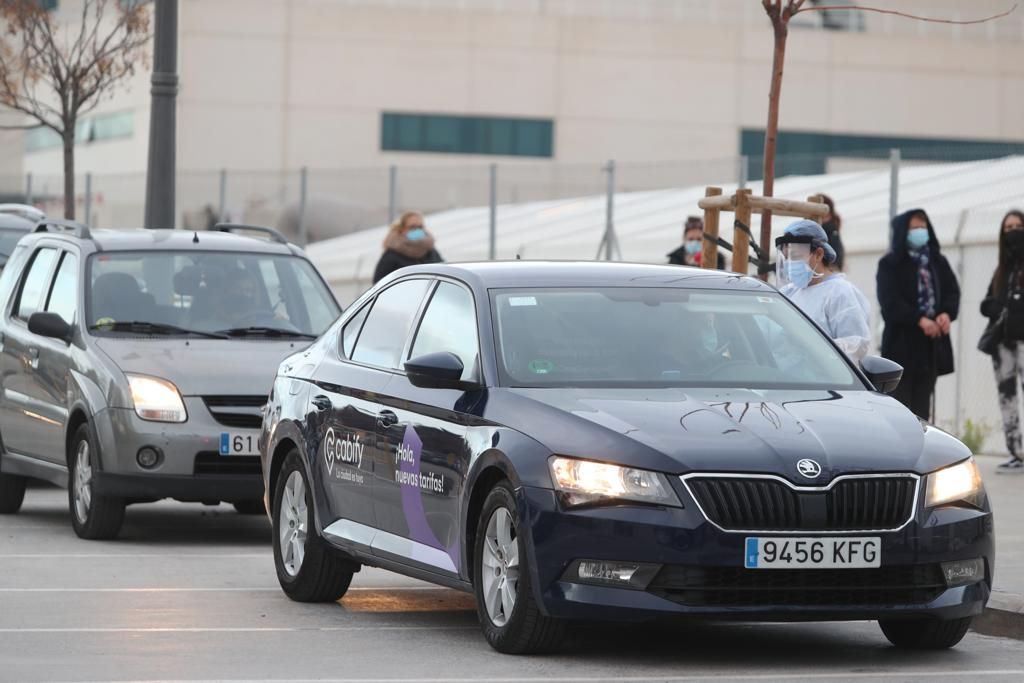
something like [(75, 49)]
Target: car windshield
[(210, 294), (653, 337)]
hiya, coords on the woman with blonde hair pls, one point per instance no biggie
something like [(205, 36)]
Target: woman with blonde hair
[(407, 244)]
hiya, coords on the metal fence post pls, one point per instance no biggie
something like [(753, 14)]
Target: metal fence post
[(392, 192), (88, 199), (303, 187), (222, 203), (608, 242), (894, 182), (492, 249), (744, 171), (28, 188)]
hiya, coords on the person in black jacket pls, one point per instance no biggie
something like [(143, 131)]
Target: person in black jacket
[(832, 224), (1004, 307), (691, 252), (407, 244), (919, 299)]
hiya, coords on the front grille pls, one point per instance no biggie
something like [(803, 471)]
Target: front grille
[(739, 587), (243, 412), (215, 463), (852, 504)]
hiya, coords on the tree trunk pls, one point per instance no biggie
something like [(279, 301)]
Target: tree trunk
[(771, 131), (69, 170)]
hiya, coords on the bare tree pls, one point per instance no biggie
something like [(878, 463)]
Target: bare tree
[(780, 12), (56, 72)]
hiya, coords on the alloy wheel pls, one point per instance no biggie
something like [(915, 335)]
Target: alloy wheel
[(82, 485), (500, 567), (293, 523)]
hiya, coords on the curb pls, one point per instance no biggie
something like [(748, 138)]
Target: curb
[(1003, 617)]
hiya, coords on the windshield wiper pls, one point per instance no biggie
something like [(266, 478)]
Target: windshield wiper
[(257, 331), (147, 327)]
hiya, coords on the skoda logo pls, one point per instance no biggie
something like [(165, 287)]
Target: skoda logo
[(808, 468)]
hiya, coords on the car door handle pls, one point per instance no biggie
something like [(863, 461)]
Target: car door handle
[(321, 402), (33, 357), (386, 418)]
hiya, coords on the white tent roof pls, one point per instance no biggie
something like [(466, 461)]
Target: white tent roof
[(648, 224)]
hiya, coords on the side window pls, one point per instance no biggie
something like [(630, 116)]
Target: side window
[(350, 332), (30, 298), (387, 325), (64, 294), (449, 325)]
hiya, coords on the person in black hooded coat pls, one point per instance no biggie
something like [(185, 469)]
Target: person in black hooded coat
[(919, 299)]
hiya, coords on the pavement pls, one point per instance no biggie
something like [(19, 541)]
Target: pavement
[(189, 593)]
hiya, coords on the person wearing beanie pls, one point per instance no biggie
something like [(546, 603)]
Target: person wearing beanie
[(828, 298)]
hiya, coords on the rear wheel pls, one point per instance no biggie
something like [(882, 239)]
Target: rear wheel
[(93, 516), (307, 568), (511, 619), (12, 493), (925, 634), (250, 507)]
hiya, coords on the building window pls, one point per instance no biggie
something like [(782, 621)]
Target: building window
[(112, 126), (48, 5), (447, 134)]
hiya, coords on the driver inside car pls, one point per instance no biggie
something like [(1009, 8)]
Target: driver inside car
[(828, 298)]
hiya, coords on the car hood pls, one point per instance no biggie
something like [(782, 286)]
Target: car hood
[(203, 366), (680, 431)]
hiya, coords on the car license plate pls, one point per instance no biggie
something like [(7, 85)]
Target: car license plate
[(239, 443), (813, 553)]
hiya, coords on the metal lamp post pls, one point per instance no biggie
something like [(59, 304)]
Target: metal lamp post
[(162, 139)]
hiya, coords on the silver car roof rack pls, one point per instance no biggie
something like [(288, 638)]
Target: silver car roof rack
[(57, 225), (26, 211), (274, 235)]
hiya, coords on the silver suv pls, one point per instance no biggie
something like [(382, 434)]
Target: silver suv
[(135, 364)]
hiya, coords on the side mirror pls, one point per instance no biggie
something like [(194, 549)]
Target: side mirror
[(884, 374), (441, 370), (50, 325)]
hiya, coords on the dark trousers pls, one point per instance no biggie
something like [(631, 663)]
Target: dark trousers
[(915, 392)]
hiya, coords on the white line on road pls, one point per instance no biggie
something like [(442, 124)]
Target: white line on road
[(234, 629), (228, 589), (693, 678), (162, 556)]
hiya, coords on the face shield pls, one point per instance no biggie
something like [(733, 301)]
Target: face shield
[(793, 261)]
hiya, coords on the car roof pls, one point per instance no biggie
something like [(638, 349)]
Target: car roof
[(509, 274), (138, 239), (10, 221)]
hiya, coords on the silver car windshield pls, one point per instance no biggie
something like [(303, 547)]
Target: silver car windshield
[(661, 337), (212, 294)]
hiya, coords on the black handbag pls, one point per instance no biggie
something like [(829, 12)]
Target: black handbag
[(993, 335)]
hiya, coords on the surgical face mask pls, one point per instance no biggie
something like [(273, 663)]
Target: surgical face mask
[(693, 247), (416, 234), (799, 273), (1015, 243), (917, 238)]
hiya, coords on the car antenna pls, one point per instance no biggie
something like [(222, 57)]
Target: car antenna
[(195, 237)]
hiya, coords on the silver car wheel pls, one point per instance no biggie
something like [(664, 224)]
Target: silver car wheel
[(82, 485), (293, 523), (500, 567)]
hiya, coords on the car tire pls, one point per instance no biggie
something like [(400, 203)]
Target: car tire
[(12, 493), (250, 507), (307, 568), (93, 517), (498, 576), (925, 634)]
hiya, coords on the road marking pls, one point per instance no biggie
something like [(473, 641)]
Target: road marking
[(239, 629), (635, 679), (227, 589), (162, 556)]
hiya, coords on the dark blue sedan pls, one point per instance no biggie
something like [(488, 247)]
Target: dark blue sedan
[(611, 441)]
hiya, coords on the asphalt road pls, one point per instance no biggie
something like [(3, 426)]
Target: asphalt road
[(189, 593)]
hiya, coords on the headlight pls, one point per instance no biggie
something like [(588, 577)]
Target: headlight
[(586, 481), (959, 483), (156, 399)]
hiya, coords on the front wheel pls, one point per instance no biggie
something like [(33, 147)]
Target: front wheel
[(12, 493), (925, 634), (307, 569), (511, 619), (93, 517)]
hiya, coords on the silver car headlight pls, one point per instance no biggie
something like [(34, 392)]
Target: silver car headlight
[(955, 484), (156, 399), (586, 481)]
